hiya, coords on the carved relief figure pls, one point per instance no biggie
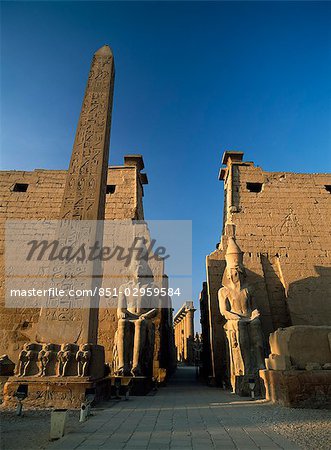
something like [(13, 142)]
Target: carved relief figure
[(22, 361), (26, 358), (45, 357), (243, 326), (83, 357), (65, 356), (134, 339)]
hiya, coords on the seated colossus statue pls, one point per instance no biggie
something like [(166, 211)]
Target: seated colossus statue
[(136, 313)]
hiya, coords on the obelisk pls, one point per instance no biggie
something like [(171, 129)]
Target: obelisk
[(84, 199), (85, 189)]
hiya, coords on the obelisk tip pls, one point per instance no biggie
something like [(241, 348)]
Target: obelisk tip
[(104, 51)]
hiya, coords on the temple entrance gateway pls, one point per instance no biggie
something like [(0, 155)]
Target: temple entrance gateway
[(76, 339)]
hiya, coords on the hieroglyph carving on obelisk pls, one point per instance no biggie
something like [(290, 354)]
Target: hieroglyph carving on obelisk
[(84, 193), (64, 319)]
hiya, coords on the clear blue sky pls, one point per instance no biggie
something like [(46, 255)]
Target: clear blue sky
[(192, 79)]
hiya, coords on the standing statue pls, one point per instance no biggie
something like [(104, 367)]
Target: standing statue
[(83, 357), (243, 326), (45, 356), (134, 339), (26, 357), (65, 357), (23, 361)]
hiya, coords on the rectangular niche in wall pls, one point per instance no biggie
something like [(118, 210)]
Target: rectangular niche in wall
[(254, 187)]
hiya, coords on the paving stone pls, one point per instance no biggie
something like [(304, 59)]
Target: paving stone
[(184, 415)]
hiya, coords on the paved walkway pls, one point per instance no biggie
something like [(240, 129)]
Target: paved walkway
[(183, 415)]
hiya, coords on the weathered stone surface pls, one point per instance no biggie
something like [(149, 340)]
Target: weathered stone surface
[(219, 372), (88, 190), (28, 359), (298, 388), (284, 225), (84, 199), (281, 222), (299, 346), (135, 335), (52, 360), (44, 201), (205, 359), (243, 326), (306, 348), (84, 192), (278, 362), (51, 393)]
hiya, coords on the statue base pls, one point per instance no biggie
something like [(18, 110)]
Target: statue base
[(55, 392), (298, 388)]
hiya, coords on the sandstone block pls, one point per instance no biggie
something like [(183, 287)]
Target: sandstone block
[(301, 344)]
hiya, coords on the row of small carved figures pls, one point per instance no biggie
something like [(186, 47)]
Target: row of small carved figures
[(49, 353)]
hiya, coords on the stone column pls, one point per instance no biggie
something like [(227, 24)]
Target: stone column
[(189, 319), (184, 339), (176, 340)]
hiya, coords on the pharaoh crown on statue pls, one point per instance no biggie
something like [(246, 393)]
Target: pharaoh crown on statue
[(234, 256)]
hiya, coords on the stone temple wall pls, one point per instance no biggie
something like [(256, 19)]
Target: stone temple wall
[(281, 221), (42, 200)]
